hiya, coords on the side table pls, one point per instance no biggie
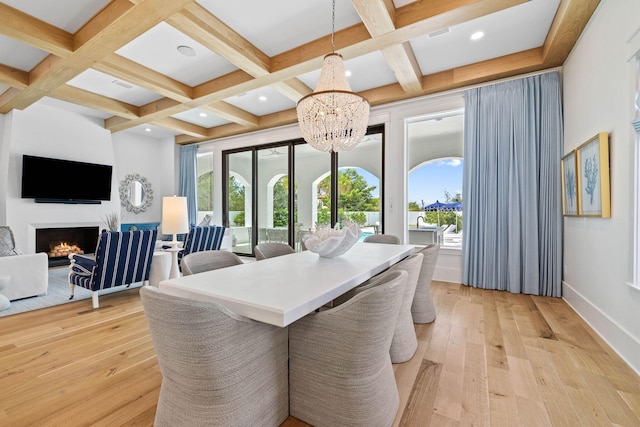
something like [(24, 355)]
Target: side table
[(175, 270), (160, 267), (4, 301)]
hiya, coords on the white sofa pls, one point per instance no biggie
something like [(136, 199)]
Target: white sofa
[(29, 275)]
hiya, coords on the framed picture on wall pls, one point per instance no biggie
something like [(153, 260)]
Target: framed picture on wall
[(593, 177), (568, 167)]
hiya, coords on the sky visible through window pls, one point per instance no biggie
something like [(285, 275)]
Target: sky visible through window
[(428, 181)]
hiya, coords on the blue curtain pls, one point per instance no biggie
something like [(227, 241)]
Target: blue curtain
[(188, 180), (512, 192)]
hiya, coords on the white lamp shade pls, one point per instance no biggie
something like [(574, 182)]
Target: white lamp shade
[(174, 215)]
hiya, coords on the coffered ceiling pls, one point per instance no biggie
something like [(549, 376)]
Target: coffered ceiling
[(248, 62)]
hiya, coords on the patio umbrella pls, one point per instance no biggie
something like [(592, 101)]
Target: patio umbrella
[(435, 207)]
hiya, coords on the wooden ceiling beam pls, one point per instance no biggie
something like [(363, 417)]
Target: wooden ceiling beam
[(232, 113), (182, 127), (506, 66), (196, 22), (294, 89), (567, 25), (93, 100), (34, 32), (13, 77), (101, 37), (378, 17), (146, 78), (355, 41)]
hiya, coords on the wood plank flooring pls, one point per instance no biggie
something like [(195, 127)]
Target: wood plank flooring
[(490, 359)]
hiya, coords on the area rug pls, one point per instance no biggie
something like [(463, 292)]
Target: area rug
[(57, 293)]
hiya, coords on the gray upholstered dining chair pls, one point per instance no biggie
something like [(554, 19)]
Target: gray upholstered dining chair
[(360, 390), (382, 238), (197, 262), (218, 368), (271, 250), (404, 343), (423, 310)]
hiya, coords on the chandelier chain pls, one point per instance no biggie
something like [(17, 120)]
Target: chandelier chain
[(333, 26)]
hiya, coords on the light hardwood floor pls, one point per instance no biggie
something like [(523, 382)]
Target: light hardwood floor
[(490, 358)]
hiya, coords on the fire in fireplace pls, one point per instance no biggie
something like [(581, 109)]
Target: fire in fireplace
[(64, 249), (58, 243)]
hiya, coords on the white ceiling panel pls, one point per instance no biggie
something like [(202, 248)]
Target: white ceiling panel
[(104, 84), (19, 55), (70, 15), (251, 102), (509, 31), (153, 131), (158, 49), (278, 26), (366, 72), (201, 118), (68, 106)]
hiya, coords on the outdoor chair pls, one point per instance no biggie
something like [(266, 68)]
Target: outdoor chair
[(361, 389), (197, 262), (218, 368), (271, 250), (450, 229), (121, 258)]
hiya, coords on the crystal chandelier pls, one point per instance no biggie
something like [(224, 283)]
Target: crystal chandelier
[(333, 118)]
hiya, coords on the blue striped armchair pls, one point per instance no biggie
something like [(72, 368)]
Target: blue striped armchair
[(121, 258), (202, 238)]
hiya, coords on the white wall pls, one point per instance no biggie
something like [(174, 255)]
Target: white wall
[(50, 132), (151, 158), (598, 97), (4, 170)]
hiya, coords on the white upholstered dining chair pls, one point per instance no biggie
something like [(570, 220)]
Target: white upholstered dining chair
[(271, 250), (360, 389), (218, 368), (422, 309), (197, 262), (382, 238)]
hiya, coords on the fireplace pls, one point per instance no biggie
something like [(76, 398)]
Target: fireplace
[(58, 243)]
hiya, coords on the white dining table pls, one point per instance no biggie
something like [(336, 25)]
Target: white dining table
[(283, 289)]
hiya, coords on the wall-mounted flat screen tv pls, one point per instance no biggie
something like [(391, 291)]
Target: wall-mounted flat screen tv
[(50, 180)]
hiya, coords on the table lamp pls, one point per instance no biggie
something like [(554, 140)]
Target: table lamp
[(174, 217), (174, 221)]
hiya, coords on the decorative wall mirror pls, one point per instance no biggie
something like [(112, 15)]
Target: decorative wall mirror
[(135, 193)]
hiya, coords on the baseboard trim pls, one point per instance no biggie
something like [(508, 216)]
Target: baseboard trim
[(447, 274), (617, 337)]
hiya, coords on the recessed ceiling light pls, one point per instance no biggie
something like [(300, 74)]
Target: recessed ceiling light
[(262, 98), (147, 129), (347, 73), (203, 114), (186, 50), (477, 35)]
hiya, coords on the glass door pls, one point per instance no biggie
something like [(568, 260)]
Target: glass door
[(360, 184), (273, 194), (312, 175), (239, 203)]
